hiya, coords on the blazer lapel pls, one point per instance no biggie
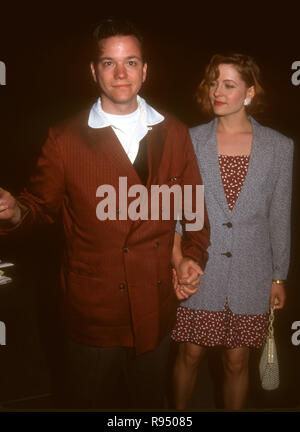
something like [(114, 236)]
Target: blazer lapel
[(104, 142), (155, 146), (247, 193), (211, 168)]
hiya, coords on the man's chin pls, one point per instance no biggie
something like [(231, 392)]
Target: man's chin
[(124, 100)]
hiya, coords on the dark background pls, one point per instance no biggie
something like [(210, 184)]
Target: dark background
[(45, 49)]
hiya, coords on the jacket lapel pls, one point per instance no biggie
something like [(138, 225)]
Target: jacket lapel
[(104, 143), (155, 145), (212, 177), (247, 193)]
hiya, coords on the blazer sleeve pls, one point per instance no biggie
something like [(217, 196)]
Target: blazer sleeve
[(280, 213), (195, 241), (41, 200)]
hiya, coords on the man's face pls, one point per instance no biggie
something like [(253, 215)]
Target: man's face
[(120, 72)]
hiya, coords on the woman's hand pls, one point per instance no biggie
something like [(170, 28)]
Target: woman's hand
[(277, 296), (186, 278)]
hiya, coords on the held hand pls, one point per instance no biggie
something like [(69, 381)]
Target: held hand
[(186, 278), (9, 209), (182, 291), (277, 296), (188, 272)]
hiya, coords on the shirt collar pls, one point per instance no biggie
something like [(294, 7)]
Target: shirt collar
[(149, 116)]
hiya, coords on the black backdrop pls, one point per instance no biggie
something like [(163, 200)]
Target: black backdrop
[(45, 52)]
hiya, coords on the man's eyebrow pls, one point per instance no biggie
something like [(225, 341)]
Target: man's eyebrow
[(126, 58)]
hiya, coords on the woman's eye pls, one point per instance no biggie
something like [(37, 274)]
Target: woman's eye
[(228, 86), (212, 84)]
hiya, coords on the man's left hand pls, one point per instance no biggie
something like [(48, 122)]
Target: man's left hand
[(186, 278)]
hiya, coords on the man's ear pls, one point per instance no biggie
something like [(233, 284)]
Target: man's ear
[(145, 66), (92, 66)]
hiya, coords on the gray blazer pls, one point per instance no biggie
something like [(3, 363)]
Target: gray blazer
[(250, 245)]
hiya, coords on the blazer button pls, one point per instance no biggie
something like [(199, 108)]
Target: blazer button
[(156, 244), (125, 249), (228, 224), (228, 254), (122, 286), (158, 282)]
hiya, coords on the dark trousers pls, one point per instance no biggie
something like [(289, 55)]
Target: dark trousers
[(115, 378)]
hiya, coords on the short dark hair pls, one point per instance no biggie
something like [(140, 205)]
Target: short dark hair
[(110, 27)]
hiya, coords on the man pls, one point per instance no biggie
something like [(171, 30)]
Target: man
[(119, 304)]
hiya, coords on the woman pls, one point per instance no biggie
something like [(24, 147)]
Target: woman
[(246, 170)]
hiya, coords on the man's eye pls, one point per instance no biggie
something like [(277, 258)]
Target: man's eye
[(107, 63), (132, 63)]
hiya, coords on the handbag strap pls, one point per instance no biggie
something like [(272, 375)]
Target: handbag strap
[(270, 337), (271, 320)]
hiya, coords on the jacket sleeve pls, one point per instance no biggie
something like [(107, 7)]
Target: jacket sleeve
[(280, 214), (41, 200), (195, 238)]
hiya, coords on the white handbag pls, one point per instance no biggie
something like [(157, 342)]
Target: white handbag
[(268, 364)]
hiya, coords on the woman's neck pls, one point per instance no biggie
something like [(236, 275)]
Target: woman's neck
[(234, 123)]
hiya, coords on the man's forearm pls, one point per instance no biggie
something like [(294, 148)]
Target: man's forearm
[(176, 252)]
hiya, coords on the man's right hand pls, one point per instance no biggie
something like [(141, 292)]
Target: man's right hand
[(10, 212)]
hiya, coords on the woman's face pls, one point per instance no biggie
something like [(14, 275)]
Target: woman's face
[(228, 92)]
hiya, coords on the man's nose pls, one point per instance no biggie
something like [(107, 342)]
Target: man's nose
[(120, 71)]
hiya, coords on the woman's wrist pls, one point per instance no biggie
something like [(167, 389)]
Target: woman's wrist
[(278, 281)]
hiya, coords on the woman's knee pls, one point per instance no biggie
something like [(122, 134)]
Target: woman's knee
[(190, 354), (236, 363)]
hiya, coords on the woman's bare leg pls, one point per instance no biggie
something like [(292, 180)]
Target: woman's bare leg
[(235, 390), (185, 372)]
